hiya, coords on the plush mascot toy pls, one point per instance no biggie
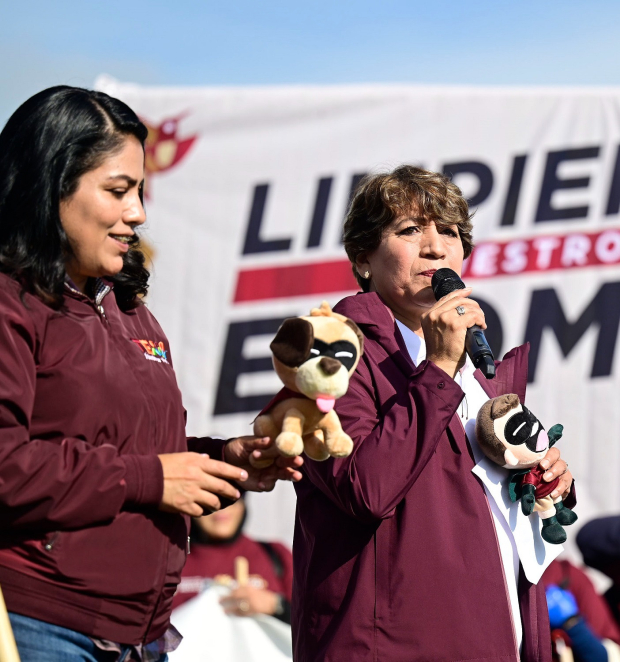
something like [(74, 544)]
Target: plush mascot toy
[(314, 357), (511, 436)]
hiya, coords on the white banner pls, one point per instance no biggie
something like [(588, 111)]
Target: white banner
[(210, 634), (246, 195)]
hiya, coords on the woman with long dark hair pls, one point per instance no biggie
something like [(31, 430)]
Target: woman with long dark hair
[(95, 473)]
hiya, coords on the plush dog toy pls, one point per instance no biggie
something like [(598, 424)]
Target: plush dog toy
[(511, 436), (314, 357)]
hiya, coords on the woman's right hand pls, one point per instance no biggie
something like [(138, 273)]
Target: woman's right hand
[(444, 329), (193, 483)]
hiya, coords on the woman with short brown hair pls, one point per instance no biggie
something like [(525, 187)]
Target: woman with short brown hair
[(399, 552)]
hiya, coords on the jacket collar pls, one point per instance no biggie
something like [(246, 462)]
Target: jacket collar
[(377, 322), (101, 288), (511, 375)]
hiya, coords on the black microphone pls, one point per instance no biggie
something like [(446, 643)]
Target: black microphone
[(445, 281)]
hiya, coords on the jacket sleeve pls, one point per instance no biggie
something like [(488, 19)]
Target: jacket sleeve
[(393, 441), (214, 448), (65, 483)]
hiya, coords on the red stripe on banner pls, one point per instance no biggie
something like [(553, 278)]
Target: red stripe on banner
[(489, 259), (295, 281), (545, 253)]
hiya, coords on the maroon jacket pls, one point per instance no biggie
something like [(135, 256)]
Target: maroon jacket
[(396, 556), (84, 411)]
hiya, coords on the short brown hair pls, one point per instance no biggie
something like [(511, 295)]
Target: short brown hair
[(383, 197)]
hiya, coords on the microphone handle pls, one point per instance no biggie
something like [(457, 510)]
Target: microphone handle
[(479, 352)]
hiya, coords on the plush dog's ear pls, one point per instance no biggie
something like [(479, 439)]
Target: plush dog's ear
[(358, 333), (293, 342)]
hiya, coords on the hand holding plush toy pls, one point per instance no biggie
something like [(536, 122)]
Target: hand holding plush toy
[(511, 436), (314, 356)]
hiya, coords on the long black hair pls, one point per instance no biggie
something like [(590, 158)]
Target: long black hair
[(49, 142)]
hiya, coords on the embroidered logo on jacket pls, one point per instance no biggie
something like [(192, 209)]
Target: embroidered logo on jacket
[(153, 352)]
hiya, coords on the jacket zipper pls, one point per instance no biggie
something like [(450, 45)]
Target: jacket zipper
[(156, 605), (103, 290), (167, 554), (499, 552), (97, 303)]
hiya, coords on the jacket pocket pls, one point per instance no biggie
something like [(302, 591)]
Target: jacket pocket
[(127, 557)]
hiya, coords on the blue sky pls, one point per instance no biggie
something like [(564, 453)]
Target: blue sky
[(238, 42)]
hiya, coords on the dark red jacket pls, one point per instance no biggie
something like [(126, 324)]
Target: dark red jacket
[(85, 408), (395, 552)]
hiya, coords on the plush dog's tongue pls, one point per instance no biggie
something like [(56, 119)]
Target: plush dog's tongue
[(325, 404), (542, 442)]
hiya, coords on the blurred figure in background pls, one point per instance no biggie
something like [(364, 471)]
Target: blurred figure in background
[(582, 625), (217, 541), (599, 543)]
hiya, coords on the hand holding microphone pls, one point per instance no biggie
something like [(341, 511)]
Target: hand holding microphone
[(453, 323)]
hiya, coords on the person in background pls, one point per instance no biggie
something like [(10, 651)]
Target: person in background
[(599, 543), (217, 541), (97, 475), (579, 616)]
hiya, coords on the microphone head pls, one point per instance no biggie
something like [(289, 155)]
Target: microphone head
[(445, 281)]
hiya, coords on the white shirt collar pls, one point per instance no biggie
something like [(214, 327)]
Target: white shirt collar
[(414, 343)]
